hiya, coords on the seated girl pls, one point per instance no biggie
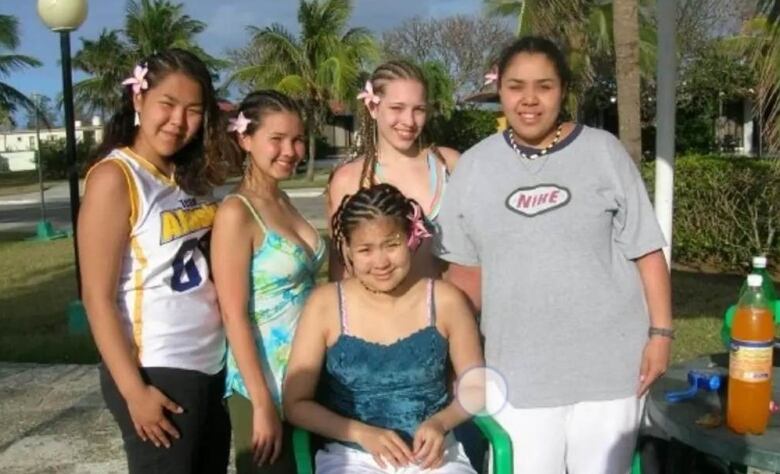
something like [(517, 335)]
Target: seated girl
[(382, 341)]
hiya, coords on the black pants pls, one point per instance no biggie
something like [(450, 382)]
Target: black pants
[(204, 444)]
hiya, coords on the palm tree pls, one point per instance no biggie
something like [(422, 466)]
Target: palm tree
[(107, 60), (583, 28), (11, 98), (761, 42), (625, 25), (150, 25), (320, 67)]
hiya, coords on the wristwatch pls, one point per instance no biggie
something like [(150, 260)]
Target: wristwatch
[(663, 332)]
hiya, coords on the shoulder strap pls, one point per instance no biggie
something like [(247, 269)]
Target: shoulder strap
[(439, 157), (431, 303), (342, 309), (251, 208)]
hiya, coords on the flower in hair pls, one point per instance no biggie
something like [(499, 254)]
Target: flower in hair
[(367, 95), (238, 124), (418, 232), (491, 77), (138, 79)]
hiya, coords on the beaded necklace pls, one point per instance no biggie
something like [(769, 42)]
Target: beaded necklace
[(541, 152)]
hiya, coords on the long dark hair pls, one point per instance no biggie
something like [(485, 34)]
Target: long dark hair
[(200, 164), (257, 105), (380, 200)]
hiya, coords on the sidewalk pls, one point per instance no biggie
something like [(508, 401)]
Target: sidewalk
[(54, 420), (60, 192)]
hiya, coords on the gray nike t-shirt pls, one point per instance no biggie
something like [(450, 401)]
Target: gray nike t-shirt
[(563, 309)]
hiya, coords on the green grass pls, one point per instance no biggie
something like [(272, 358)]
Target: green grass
[(37, 281)]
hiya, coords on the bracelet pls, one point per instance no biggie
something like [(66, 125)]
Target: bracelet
[(663, 332)]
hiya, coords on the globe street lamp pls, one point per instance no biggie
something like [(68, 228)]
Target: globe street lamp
[(64, 16)]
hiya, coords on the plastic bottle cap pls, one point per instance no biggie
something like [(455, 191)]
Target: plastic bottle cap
[(759, 262), (754, 280)]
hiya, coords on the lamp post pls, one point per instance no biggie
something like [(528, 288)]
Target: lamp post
[(37, 100), (64, 16)]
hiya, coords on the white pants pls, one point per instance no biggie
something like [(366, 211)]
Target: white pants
[(583, 438), (339, 459)]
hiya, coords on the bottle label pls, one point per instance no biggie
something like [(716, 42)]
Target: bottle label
[(750, 361)]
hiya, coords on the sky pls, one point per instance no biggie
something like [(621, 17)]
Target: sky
[(226, 20)]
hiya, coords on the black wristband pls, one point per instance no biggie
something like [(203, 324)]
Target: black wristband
[(663, 332)]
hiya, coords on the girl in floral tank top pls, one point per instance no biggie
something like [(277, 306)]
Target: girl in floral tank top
[(265, 258)]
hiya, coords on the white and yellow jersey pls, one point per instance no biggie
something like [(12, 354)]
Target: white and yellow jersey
[(167, 300)]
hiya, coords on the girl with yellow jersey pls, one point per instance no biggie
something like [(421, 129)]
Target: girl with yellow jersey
[(143, 236)]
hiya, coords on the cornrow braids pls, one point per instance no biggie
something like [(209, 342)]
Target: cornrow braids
[(380, 200), (258, 105)]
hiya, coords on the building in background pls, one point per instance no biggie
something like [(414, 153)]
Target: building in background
[(18, 147)]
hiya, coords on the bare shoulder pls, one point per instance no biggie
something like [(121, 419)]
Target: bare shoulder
[(450, 156), (232, 212), (449, 299), (320, 310), (106, 178), (345, 180), (347, 176)]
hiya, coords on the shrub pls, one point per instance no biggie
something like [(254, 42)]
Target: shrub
[(463, 129), (55, 164), (726, 209)]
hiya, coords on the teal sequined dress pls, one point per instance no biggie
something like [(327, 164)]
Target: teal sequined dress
[(395, 386)]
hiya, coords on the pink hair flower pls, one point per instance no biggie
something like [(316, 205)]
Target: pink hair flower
[(367, 95), (138, 79), (491, 77), (238, 124), (418, 232)]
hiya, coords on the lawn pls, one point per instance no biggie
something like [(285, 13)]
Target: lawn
[(37, 281)]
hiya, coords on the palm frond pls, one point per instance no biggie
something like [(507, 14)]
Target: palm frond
[(9, 32), (11, 99), (293, 85), (13, 62)]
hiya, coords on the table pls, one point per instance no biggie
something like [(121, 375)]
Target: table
[(678, 420)]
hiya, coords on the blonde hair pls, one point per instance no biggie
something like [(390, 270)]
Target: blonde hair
[(382, 75)]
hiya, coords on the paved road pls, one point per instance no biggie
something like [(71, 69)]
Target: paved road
[(22, 212)]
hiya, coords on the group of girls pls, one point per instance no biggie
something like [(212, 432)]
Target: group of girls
[(210, 324)]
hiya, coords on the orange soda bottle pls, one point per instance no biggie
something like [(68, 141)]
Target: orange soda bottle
[(750, 361)]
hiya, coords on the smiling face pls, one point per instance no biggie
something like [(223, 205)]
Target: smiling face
[(277, 145), (531, 96), (171, 115), (380, 257), (401, 113)]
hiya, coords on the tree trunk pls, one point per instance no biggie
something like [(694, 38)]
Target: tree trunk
[(312, 154), (625, 26)]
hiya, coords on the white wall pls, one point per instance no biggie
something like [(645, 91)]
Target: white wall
[(17, 161)]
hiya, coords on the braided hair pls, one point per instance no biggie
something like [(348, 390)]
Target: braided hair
[(381, 200)]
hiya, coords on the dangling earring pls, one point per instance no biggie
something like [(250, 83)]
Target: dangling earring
[(136, 119)]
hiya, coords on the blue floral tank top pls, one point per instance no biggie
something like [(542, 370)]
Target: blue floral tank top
[(395, 386), (281, 276)]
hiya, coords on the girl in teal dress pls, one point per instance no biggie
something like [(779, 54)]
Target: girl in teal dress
[(265, 256), (369, 364)]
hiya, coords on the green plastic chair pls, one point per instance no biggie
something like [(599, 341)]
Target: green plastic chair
[(499, 441), (728, 319)]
